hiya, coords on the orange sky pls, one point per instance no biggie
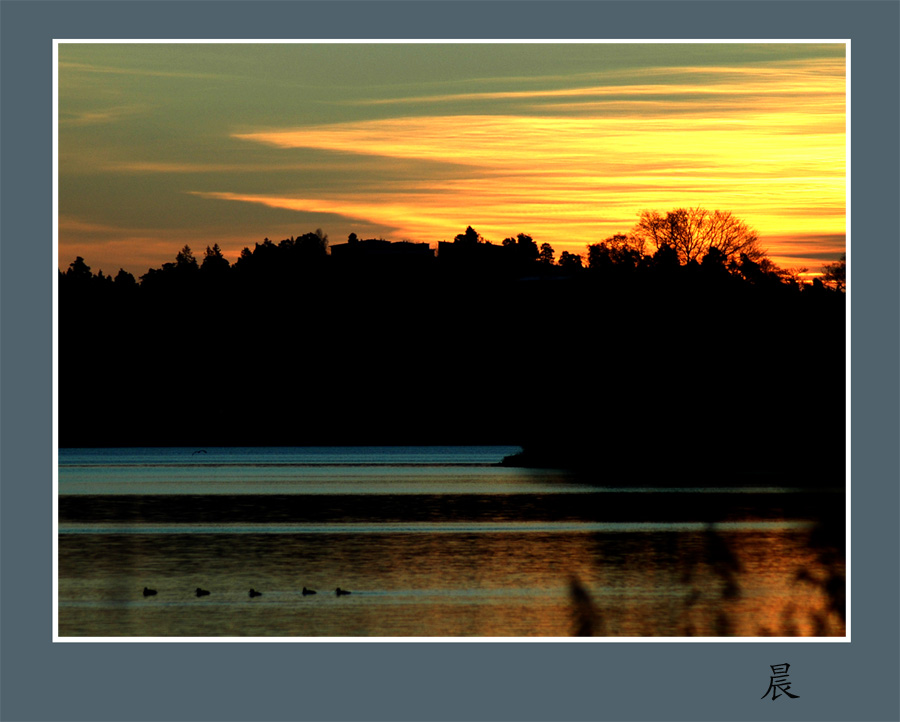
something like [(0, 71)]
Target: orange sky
[(162, 145)]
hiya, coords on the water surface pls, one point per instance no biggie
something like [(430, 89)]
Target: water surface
[(433, 542)]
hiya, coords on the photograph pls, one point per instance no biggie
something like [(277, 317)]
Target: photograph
[(404, 340)]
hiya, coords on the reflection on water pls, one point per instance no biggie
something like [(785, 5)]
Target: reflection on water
[(534, 560)]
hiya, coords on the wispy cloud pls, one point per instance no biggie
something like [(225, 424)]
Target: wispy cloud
[(811, 78), (100, 116), (121, 70), (558, 173)]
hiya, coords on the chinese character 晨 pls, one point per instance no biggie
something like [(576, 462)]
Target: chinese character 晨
[(778, 682)]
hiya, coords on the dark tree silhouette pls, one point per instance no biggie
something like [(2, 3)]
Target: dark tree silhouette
[(570, 262), (179, 274), (715, 261), (214, 262), (78, 269), (523, 246), (312, 245), (289, 256), (124, 279), (618, 250), (546, 254), (666, 258), (692, 232), (469, 238), (834, 275), (185, 261)]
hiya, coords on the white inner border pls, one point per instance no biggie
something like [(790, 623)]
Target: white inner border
[(384, 41)]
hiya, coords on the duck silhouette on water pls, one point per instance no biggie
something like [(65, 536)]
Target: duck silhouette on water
[(307, 592), (341, 592), (149, 592), (202, 592), (254, 593)]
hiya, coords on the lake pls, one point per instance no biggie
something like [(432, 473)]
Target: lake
[(431, 542)]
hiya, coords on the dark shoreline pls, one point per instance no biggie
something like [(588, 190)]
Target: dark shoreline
[(602, 472)]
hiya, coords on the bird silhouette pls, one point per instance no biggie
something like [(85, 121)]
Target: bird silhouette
[(202, 592), (149, 592), (308, 591), (341, 592), (254, 593)]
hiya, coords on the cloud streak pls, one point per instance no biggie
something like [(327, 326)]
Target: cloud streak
[(814, 80), (780, 170)]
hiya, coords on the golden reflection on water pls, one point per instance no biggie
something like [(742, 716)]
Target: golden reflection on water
[(504, 584)]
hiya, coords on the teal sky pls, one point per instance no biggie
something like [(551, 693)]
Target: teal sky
[(173, 144)]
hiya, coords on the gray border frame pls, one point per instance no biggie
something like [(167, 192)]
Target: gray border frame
[(399, 681)]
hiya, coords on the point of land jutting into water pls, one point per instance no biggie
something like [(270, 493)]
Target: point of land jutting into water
[(646, 355)]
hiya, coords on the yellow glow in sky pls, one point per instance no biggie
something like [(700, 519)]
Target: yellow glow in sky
[(556, 177), (163, 145)]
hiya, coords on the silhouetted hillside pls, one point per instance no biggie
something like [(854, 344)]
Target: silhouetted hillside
[(634, 363)]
